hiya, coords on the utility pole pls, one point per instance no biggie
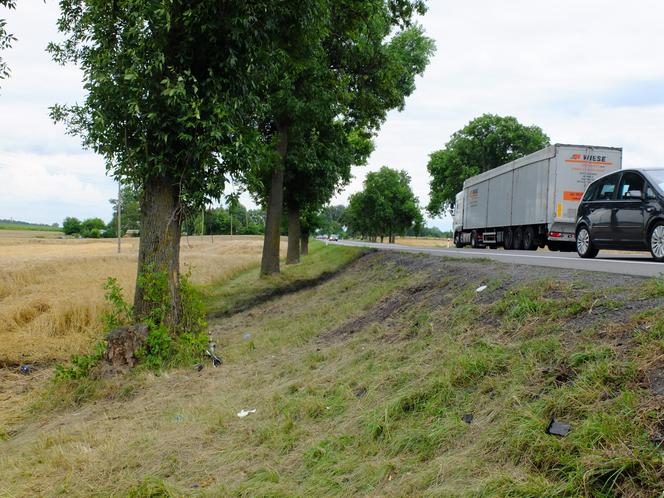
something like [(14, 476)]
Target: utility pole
[(119, 210), (202, 223)]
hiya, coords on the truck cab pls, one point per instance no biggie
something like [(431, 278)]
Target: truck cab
[(457, 219)]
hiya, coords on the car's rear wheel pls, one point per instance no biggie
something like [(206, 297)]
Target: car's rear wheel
[(584, 246), (657, 242), (518, 238)]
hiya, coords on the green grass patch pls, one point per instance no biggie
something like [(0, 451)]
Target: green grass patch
[(31, 228)]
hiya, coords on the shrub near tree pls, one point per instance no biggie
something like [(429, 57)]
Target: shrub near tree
[(385, 208), (483, 144)]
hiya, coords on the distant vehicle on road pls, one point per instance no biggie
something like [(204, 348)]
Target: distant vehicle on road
[(531, 202), (623, 210), (333, 237)]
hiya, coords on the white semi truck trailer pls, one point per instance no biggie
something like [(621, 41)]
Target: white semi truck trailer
[(530, 202)]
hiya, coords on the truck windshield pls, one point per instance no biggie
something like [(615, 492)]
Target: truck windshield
[(657, 176)]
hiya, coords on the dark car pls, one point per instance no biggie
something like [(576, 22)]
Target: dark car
[(623, 210)]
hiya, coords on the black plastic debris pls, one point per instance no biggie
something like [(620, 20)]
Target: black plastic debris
[(657, 439), (468, 418), (199, 367), (558, 428), (26, 369), (216, 361)]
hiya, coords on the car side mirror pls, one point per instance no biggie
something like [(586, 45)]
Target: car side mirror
[(634, 194)]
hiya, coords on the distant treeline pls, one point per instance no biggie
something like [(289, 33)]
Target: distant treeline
[(28, 224), (234, 218)]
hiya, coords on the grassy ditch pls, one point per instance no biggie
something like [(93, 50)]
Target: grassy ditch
[(394, 378), (245, 289)]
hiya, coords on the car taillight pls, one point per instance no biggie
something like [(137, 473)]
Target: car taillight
[(555, 234)]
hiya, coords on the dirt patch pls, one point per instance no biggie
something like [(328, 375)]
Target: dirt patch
[(444, 280), (387, 307), (656, 378)]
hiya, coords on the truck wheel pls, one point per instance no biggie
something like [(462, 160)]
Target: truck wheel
[(518, 238), (657, 242), (508, 239), (584, 246), (473, 240), (457, 240), (529, 239)]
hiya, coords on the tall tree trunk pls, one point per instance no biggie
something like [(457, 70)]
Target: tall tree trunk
[(294, 233), (381, 238), (304, 244), (159, 247), (271, 241)]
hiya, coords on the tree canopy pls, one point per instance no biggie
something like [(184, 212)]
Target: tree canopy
[(345, 66), (171, 103), (6, 38), (483, 144), (386, 206)]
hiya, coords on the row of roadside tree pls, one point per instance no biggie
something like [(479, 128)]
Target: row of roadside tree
[(282, 97)]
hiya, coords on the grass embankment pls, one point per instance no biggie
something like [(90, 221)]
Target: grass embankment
[(361, 385)]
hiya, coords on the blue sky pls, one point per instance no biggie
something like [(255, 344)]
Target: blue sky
[(588, 72)]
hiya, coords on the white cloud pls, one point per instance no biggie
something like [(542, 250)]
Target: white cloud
[(47, 188), (586, 72)]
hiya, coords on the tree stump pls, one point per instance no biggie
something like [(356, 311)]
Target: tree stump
[(123, 343)]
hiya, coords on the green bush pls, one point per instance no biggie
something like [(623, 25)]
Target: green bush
[(80, 365), (165, 345)]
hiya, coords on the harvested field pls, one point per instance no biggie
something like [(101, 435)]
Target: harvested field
[(424, 242), (51, 289)]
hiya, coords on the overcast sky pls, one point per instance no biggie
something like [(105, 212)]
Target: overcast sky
[(588, 72)]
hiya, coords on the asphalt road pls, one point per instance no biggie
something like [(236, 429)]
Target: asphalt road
[(639, 264)]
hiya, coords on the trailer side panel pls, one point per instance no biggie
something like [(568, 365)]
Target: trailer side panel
[(500, 205)]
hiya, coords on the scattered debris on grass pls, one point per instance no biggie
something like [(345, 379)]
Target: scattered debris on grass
[(481, 288), (468, 418), (243, 413), (210, 351), (558, 428)]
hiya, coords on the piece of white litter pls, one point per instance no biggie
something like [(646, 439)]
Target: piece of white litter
[(480, 288), (244, 413)]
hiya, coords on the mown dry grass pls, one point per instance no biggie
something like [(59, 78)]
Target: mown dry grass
[(51, 289)]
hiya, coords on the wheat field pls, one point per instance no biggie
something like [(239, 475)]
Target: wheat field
[(51, 289)]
